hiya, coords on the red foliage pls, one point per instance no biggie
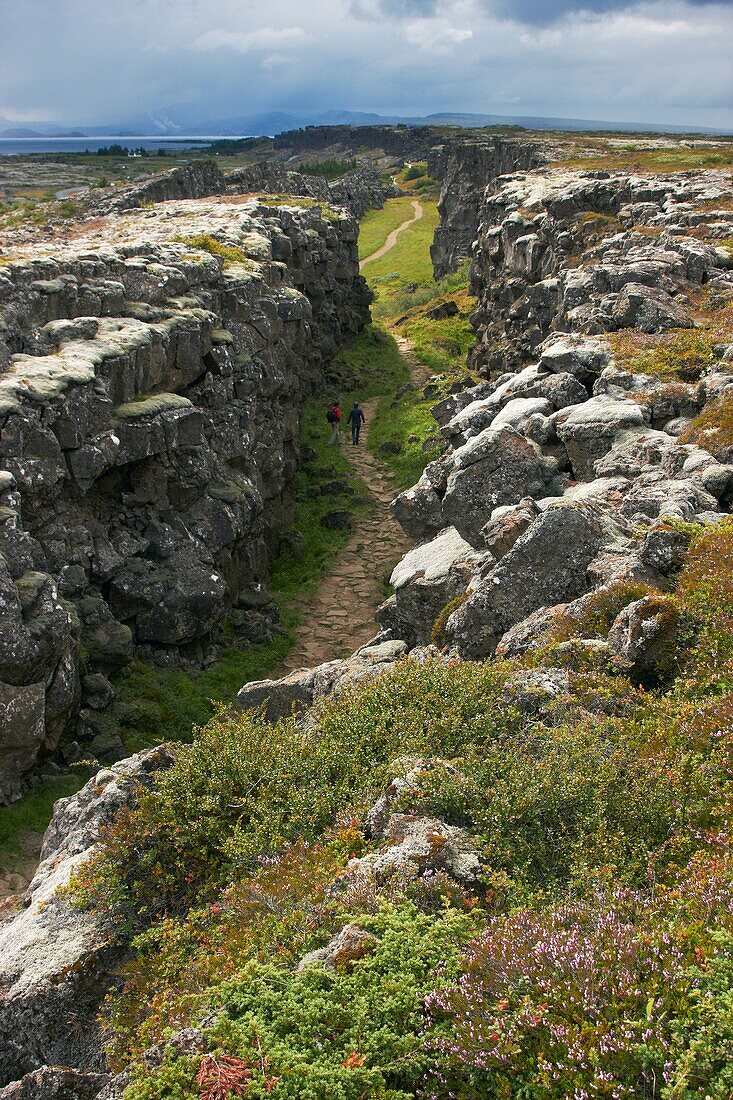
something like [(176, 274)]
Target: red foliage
[(223, 1077)]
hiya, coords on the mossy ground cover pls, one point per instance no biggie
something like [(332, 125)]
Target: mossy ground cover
[(681, 355), (640, 156), (579, 961), (31, 815)]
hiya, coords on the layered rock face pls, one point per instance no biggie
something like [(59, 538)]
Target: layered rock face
[(356, 191), (413, 142), (565, 474), (591, 253), (150, 398), (466, 169)]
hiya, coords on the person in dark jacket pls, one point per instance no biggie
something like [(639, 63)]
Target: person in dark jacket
[(356, 418)]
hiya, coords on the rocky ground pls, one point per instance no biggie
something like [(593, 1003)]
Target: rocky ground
[(551, 534)]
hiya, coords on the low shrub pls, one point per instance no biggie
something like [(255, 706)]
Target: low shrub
[(354, 1032), (713, 429)]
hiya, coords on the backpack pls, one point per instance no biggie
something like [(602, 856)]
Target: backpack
[(331, 416)]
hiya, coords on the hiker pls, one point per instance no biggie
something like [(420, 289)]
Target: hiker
[(333, 416), (356, 418)]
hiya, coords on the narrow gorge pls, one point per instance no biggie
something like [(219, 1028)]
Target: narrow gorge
[(485, 731)]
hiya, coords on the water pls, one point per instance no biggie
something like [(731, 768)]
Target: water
[(18, 146)]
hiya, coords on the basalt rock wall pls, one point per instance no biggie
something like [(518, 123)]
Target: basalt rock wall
[(604, 334), (150, 398), (413, 142), (466, 169)]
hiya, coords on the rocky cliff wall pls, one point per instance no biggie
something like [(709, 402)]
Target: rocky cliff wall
[(605, 330), (406, 142), (466, 169), (150, 398), (567, 251), (356, 191)]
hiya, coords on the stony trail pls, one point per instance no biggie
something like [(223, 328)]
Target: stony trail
[(339, 617), (392, 238)]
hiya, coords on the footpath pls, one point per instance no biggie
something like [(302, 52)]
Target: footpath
[(340, 616), (392, 238)]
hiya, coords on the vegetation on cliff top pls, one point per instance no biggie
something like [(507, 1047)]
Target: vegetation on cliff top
[(593, 956)]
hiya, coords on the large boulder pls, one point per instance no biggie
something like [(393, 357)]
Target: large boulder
[(54, 1083), (58, 960), (590, 430), (499, 466), (298, 690), (426, 579), (419, 510), (643, 636), (650, 309), (546, 566)]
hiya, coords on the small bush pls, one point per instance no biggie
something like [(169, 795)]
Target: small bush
[(439, 635), (414, 172), (713, 428), (355, 1032), (230, 254)]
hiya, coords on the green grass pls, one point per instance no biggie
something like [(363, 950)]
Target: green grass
[(32, 815), (408, 263), (229, 254), (376, 225), (373, 367)]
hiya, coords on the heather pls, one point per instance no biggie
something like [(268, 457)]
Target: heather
[(592, 956)]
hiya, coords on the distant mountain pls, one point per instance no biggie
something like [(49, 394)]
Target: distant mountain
[(20, 132), (276, 122), (175, 121)]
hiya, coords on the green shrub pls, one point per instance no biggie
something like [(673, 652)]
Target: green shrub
[(439, 635), (328, 169), (355, 1032)]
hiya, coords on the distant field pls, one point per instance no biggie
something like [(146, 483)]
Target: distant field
[(376, 225), (408, 263)]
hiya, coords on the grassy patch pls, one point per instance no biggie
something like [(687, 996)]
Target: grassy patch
[(441, 345), (376, 225), (638, 156), (713, 428), (229, 254), (373, 367), (407, 264), (682, 355), (32, 815)]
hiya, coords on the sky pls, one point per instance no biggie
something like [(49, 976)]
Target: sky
[(77, 62)]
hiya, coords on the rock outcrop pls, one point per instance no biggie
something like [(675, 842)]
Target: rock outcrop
[(587, 253), (565, 468), (57, 960), (466, 168), (152, 374)]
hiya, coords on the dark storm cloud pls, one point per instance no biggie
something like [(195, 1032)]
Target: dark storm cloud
[(544, 12), (531, 12), (164, 62)]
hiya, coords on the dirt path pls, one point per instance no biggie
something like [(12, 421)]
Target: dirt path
[(392, 238), (340, 616)]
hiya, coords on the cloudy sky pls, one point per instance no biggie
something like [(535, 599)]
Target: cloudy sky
[(99, 61)]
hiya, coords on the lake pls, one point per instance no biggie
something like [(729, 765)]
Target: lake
[(18, 146)]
